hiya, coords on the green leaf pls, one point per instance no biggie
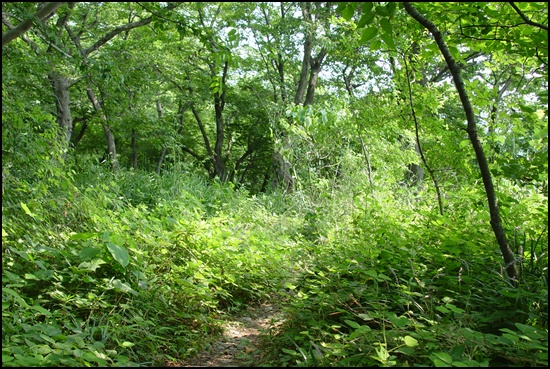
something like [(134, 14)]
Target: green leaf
[(88, 253), (16, 296), (382, 10), (127, 344), (444, 357), (341, 7), (82, 236), (410, 341), (386, 26), (391, 6), (347, 13), (368, 33), (372, 273), (375, 44), (367, 7), (91, 265), (41, 310), (367, 18), (26, 209), (119, 254), (352, 324), (388, 40), (124, 287)]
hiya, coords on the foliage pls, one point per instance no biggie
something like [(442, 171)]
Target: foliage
[(140, 266)]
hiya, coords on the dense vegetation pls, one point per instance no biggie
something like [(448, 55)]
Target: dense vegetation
[(380, 170)]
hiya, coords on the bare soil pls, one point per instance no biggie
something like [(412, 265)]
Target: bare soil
[(242, 339)]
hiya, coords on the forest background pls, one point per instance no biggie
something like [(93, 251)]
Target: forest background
[(379, 169)]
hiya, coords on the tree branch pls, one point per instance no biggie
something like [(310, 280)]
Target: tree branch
[(527, 20), (25, 25)]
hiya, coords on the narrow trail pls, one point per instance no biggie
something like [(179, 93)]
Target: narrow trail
[(240, 344)]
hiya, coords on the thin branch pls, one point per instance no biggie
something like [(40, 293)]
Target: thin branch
[(527, 20), (417, 137)]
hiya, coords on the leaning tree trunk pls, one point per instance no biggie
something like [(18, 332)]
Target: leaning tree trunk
[(496, 223)]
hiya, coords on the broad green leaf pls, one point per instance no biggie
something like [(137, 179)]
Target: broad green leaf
[(444, 357), (386, 25), (341, 7), (368, 33), (366, 19), (119, 254), (375, 44), (410, 341), (88, 253), (347, 13), (127, 344), (367, 7), (388, 40), (382, 10), (391, 6)]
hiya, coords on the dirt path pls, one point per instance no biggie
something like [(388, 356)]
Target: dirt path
[(240, 344)]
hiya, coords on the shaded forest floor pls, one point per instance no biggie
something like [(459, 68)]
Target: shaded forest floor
[(240, 345)]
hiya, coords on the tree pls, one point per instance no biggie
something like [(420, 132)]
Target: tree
[(41, 14)]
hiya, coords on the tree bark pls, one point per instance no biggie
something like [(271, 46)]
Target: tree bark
[(308, 46), (496, 223), (219, 105), (61, 86), (314, 74)]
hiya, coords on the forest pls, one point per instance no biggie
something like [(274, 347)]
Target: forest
[(377, 172)]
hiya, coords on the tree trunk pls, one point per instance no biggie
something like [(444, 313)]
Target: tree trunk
[(282, 178), (219, 163), (314, 74), (496, 223), (111, 147), (219, 105), (308, 46), (61, 86)]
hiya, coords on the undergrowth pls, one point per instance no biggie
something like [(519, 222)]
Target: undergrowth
[(136, 269), (132, 269)]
